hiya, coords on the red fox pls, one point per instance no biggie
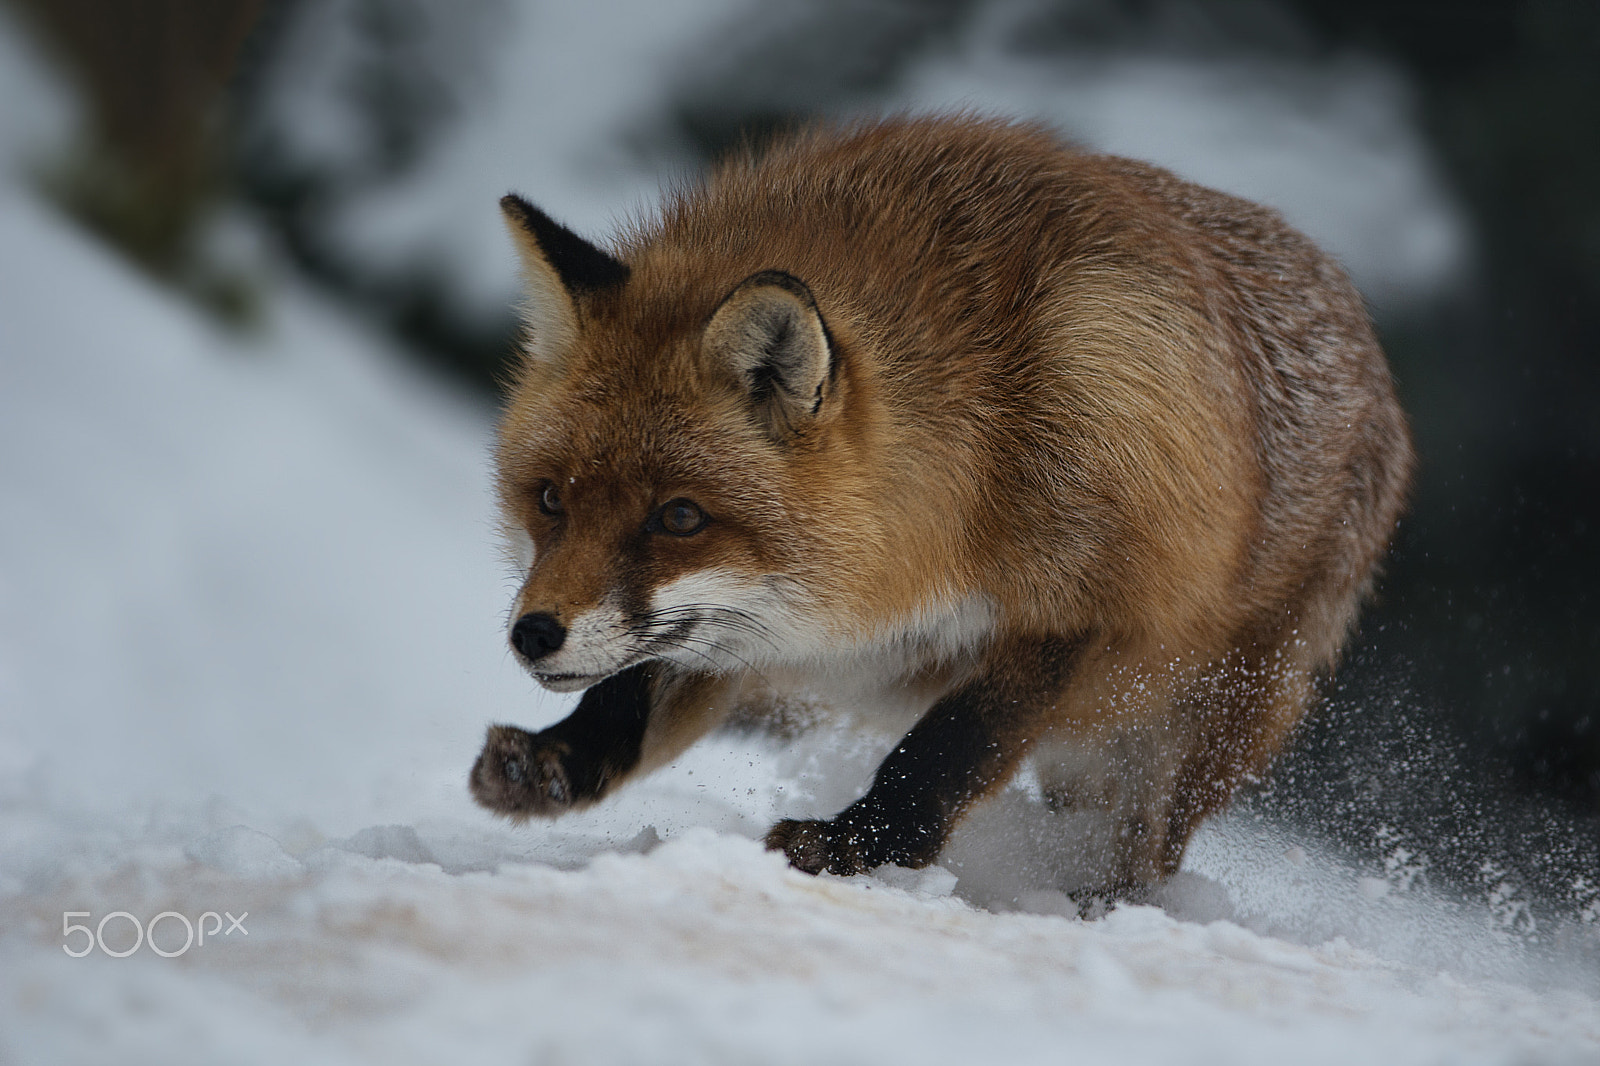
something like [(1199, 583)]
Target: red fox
[(1096, 463)]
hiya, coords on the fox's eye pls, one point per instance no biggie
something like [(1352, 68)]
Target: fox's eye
[(680, 517), (550, 500)]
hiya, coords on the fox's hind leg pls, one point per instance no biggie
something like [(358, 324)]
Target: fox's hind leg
[(1244, 712), (965, 745), (1146, 763), (628, 724), (1113, 785)]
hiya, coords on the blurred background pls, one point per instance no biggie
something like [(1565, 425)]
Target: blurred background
[(234, 150)]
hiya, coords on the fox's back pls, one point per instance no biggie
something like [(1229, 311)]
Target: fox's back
[(1134, 398)]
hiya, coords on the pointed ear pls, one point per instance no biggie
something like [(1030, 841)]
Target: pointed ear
[(769, 332), (558, 265)]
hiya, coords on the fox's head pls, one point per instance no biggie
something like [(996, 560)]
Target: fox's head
[(663, 430)]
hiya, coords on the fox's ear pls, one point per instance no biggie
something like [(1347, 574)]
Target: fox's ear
[(769, 332), (558, 266)]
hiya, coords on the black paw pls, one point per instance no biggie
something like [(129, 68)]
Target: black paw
[(1096, 902), (519, 775), (814, 846)]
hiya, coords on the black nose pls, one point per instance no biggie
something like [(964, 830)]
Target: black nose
[(537, 635)]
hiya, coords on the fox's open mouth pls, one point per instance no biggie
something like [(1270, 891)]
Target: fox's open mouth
[(566, 682)]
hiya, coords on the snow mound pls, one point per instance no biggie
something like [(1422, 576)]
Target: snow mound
[(243, 852)]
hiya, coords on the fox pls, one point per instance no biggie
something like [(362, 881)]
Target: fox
[(1091, 465)]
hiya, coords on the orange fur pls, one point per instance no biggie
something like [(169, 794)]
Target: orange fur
[(1067, 401)]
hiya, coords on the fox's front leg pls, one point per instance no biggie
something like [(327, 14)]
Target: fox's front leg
[(627, 724), (968, 743)]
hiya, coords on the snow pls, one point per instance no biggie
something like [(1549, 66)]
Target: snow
[(573, 105), (550, 97), (1331, 142), (250, 634)]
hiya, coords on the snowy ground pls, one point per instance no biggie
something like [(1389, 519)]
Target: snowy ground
[(250, 636)]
